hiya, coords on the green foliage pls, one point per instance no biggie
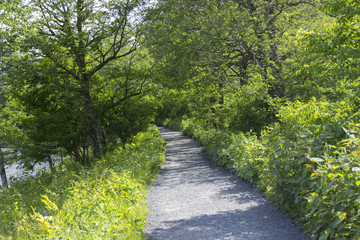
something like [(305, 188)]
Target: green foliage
[(142, 156), (228, 59), (125, 121), (333, 203), (247, 109), (106, 202), (174, 104), (308, 163), (327, 63), (73, 65), (103, 205)]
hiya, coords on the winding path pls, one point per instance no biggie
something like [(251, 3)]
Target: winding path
[(192, 199)]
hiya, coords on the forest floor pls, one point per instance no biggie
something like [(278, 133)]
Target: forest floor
[(194, 199)]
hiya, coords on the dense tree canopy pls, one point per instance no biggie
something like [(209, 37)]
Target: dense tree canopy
[(241, 52), (77, 63), (74, 72)]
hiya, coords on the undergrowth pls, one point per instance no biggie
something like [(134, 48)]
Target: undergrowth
[(105, 202)]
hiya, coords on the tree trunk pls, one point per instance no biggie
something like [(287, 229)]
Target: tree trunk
[(95, 132), (51, 164), (4, 180), (84, 78), (76, 151)]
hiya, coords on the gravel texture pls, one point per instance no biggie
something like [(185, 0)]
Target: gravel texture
[(194, 199)]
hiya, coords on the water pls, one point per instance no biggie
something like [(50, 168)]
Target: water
[(15, 171)]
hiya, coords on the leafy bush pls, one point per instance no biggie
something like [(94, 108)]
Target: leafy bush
[(247, 109), (106, 202), (129, 118), (333, 202)]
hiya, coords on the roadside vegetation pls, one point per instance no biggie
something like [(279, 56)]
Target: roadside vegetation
[(105, 201)]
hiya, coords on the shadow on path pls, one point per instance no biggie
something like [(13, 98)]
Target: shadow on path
[(237, 224)]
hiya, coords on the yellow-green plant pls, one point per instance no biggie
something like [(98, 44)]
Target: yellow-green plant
[(105, 202)]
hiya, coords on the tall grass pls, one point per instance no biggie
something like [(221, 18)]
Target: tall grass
[(107, 201)]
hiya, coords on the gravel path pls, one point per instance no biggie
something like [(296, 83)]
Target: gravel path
[(192, 199)]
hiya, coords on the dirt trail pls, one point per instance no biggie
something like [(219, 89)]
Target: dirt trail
[(192, 199)]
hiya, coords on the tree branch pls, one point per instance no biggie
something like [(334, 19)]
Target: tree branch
[(106, 61)]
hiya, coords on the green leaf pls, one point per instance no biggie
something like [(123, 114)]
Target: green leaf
[(316, 159), (342, 215), (335, 223)]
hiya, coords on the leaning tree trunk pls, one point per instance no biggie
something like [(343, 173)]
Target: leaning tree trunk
[(4, 180)]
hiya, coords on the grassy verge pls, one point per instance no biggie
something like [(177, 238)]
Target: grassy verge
[(105, 202), (309, 165)]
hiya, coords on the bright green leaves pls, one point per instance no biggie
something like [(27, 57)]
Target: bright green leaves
[(334, 207), (58, 70), (345, 10), (229, 57), (105, 202), (326, 180), (337, 48)]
